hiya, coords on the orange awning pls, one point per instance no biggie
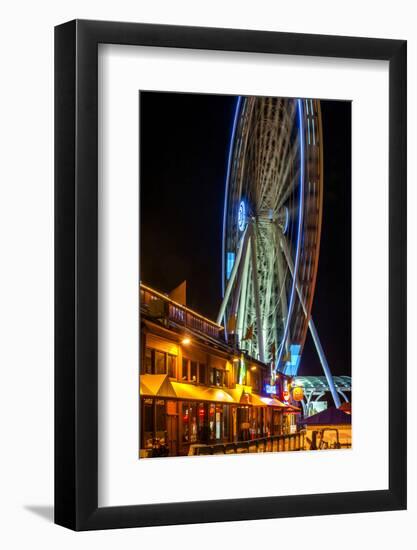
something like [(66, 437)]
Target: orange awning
[(160, 385), (156, 385), (201, 393)]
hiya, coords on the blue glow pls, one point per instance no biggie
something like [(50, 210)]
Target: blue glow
[(291, 366), (241, 216), (229, 264), (300, 225), (270, 389), (229, 163)]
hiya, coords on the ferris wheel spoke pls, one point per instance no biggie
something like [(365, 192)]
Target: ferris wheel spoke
[(288, 160), (271, 180), (289, 188), (257, 146), (255, 283), (269, 316), (231, 281), (288, 125), (269, 146), (243, 302)]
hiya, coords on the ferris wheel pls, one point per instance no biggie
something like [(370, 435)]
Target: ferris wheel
[(271, 230)]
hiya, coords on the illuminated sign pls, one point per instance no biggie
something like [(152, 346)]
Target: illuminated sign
[(241, 217), (298, 393), (270, 389)]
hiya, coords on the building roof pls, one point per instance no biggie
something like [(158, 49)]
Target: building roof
[(320, 384), (330, 416)]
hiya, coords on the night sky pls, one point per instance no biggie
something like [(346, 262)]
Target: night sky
[(184, 143)]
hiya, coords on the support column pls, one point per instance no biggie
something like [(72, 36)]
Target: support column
[(232, 277), (259, 324), (313, 332)]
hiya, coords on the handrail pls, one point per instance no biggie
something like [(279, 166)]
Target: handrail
[(244, 446), (181, 314)]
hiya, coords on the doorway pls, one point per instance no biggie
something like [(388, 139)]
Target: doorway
[(172, 428)]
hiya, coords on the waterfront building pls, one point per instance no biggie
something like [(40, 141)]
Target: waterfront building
[(200, 394)]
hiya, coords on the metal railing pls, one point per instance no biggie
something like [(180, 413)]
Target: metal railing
[(178, 313), (269, 444)]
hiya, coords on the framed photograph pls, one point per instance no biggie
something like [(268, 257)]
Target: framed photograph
[(230, 244)]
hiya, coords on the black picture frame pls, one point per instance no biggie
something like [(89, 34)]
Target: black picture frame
[(76, 272)]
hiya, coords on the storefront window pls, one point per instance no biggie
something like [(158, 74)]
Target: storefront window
[(212, 420), (277, 422), (160, 367), (261, 422), (185, 421), (253, 423), (219, 414), (172, 366), (193, 422), (147, 423), (160, 415), (225, 423), (202, 423), (243, 423)]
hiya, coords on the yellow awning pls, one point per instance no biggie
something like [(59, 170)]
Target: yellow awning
[(272, 402), (157, 385), (256, 401), (201, 393)]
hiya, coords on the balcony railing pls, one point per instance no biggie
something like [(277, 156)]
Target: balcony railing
[(158, 305)]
